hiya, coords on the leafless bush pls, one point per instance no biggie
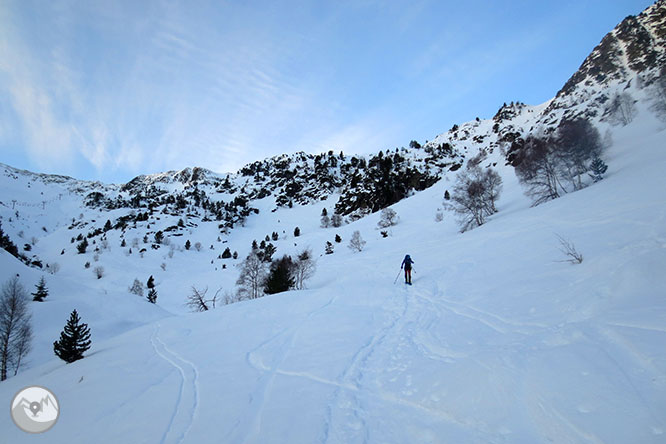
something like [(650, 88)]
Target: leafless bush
[(137, 288), (163, 266), (98, 272), (620, 109), (337, 220), (303, 268), (197, 302), (53, 268), (15, 326), (356, 243), (252, 276), (569, 249), (197, 246), (474, 195), (388, 218), (555, 166)]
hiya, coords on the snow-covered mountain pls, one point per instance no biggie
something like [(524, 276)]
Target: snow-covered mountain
[(500, 339)]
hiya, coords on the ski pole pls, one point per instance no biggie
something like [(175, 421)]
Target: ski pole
[(397, 276)]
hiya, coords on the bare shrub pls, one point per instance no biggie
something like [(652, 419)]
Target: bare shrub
[(137, 288), (336, 220), (356, 243), (474, 195), (53, 268), (98, 272), (555, 166), (15, 326), (304, 268), (620, 109), (252, 276), (387, 218), (197, 302), (569, 249)]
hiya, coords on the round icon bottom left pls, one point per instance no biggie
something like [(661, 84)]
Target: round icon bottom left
[(35, 409)]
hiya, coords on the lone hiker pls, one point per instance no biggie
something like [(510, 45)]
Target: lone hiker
[(407, 264)]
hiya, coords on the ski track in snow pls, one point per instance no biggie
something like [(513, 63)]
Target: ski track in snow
[(187, 402), (352, 376), (619, 352), (248, 427)]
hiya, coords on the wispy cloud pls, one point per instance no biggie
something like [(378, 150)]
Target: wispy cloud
[(133, 87)]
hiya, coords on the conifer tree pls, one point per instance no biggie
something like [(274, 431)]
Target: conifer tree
[(151, 282), (338, 239), (280, 276), (329, 248), (188, 244), (83, 246), (598, 169), (152, 295), (74, 339), (297, 232), (41, 291)]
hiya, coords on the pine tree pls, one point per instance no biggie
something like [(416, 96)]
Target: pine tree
[(598, 169), (226, 254), (151, 282), (83, 246), (268, 252), (329, 248), (152, 295), (74, 340), (338, 239), (297, 232), (41, 291), (188, 244), (280, 276)]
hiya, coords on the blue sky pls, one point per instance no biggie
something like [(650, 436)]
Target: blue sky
[(107, 90)]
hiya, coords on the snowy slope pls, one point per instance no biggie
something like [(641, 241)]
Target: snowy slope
[(498, 340)]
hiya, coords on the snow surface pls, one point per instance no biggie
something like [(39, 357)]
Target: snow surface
[(498, 340)]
